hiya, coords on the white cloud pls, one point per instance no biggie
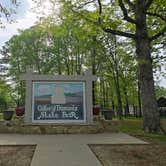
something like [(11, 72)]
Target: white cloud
[(23, 20), (12, 29)]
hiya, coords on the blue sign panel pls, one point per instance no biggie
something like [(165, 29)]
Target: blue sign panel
[(58, 102)]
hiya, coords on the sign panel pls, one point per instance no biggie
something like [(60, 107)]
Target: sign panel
[(58, 102)]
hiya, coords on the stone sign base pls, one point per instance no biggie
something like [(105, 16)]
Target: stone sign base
[(20, 128)]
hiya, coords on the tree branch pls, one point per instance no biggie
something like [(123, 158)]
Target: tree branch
[(119, 33), (4, 11), (100, 6), (125, 13), (100, 11), (108, 30), (157, 15), (161, 33)]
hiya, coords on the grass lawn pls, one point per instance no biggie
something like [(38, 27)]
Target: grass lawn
[(133, 126), (1, 116)]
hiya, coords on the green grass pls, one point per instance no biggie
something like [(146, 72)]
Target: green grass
[(133, 126), (1, 116)]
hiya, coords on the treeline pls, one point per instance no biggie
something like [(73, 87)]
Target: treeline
[(70, 47)]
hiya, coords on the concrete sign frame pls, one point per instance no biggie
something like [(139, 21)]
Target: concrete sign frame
[(30, 77)]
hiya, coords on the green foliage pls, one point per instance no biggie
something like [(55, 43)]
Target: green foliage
[(71, 45), (5, 98), (160, 91), (68, 48), (109, 15)]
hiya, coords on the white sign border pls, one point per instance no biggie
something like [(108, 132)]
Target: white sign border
[(59, 121)]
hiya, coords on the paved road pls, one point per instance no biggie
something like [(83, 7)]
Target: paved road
[(66, 150)]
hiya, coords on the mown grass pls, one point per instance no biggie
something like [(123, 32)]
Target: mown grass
[(133, 126)]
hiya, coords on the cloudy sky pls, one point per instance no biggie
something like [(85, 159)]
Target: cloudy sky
[(24, 18)]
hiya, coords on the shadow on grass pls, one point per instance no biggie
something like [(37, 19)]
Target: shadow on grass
[(133, 126)]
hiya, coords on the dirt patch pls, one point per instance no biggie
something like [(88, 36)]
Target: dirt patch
[(16, 155), (131, 155)]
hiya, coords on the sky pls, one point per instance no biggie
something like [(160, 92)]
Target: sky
[(24, 18)]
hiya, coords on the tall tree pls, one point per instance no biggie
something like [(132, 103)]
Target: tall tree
[(140, 20)]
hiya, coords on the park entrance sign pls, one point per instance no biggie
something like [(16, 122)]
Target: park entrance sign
[(58, 101), (58, 98)]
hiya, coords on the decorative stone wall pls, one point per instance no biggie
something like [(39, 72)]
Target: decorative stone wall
[(18, 127)]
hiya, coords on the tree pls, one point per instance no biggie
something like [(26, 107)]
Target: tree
[(140, 20), (5, 95), (65, 48)]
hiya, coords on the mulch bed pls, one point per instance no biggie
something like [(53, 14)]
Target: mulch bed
[(130, 154), (16, 155)]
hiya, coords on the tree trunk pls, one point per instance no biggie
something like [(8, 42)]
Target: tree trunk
[(93, 71), (151, 119), (104, 91), (139, 101), (101, 93), (118, 94), (112, 97), (93, 94), (126, 101)]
